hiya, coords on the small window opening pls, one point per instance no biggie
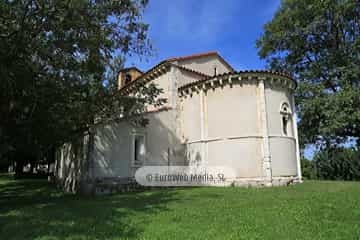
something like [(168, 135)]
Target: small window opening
[(285, 117), (215, 71), (139, 149), (127, 78), (285, 123)]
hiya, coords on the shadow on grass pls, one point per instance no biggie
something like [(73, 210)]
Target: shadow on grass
[(35, 209)]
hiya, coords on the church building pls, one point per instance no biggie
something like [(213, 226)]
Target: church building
[(213, 116)]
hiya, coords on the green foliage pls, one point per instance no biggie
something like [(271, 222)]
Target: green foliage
[(312, 210), (338, 164), (308, 169), (319, 43), (4, 164), (58, 66)]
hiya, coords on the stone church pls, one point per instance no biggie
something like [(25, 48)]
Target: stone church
[(214, 115)]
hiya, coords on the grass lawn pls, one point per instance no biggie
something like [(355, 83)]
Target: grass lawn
[(34, 209)]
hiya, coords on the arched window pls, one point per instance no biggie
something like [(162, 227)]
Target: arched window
[(285, 113), (138, 149), (284, 124)]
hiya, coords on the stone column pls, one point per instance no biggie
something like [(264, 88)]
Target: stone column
[(173, 84), (203, 124), (266, 163), (295, 130)]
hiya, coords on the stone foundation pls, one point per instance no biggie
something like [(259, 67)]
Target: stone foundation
[(116, 185), (121, 185), (260, 182)]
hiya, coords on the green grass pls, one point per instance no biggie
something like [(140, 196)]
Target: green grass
[(34, 209)]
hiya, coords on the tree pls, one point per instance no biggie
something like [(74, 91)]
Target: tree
[(307, 169), (318, 42), (337, 164), (58, 66)]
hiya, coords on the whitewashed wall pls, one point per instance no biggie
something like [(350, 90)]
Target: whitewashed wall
[(184, 77), (206, 65), (112, 149), (162, 142), (190, 118), (114, 152), (163, 82), (282, 147), (232, 111), (231, 135)]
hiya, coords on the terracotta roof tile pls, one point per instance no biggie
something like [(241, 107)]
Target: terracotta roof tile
[(200, 55), (183, 58), (191, 71), (193, 56)]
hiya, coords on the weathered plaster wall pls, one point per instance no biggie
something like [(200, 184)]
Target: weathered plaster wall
[(113, 151), (274, 98), (111, 154), (242, 154), (232, 111), (282, 147), (163, 145), (206, 65), (230, 135), (114, 155), (283, 156), (191, 122), (184, 77), (163, 82)]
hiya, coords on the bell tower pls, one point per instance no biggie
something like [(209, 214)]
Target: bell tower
[(128, 75)]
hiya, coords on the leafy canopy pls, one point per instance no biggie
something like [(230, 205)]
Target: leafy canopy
[(58, 67), (319, 43)]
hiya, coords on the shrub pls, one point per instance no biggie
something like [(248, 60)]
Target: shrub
[(307, 169), (338, 164)]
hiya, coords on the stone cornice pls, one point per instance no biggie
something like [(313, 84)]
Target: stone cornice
[(155, 72), (276, 79)]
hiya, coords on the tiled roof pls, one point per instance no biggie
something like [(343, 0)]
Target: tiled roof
[(192, 56), (201, 55), (191, 71), (282, 74), (170, 60)]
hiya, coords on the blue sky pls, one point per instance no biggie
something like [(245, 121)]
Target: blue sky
[(184, 27), (231, 27)]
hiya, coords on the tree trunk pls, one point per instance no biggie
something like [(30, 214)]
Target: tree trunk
[(51, 158), (19, 161), (32, 166)]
